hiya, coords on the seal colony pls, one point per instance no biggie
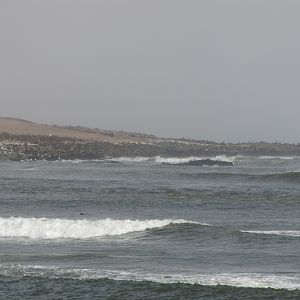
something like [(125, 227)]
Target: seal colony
[(25, 140)]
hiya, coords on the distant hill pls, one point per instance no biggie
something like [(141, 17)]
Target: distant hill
[(18, 126)]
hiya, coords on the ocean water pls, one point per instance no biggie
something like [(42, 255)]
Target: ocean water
[(136, 228)]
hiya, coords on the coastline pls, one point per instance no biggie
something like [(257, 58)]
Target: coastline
[(19, 147), (25, 140)]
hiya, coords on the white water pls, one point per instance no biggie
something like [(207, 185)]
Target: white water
[(137, 159), (254, 280), (170, 160), (46, 228), (178, 160), (278, 157), (275, 232)]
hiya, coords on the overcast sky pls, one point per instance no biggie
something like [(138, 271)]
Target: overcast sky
[(226, 70)]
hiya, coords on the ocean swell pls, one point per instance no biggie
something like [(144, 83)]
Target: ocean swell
[(284, 176), (289, 176)]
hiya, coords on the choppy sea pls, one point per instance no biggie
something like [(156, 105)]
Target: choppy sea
[(137, 228)]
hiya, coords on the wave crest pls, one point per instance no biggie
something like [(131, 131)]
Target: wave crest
[(46, 228)]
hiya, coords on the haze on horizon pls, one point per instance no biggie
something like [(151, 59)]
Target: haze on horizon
[(217, 70)]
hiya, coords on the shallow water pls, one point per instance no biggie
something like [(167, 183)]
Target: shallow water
[(140, 229)]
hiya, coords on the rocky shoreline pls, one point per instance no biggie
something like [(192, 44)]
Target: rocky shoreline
[(41, 147)]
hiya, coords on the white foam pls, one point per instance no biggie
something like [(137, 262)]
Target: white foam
[(253, 280), (275, 232), (136, 159), (157, 159), (175, 160), (278, 157), (228, 158), (46, 228), (169, 160), (178, 160), (73, 161)]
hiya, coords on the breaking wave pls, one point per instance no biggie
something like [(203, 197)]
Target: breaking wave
[(179, 160), (169, 160), (137, 159), (158, 160), (255, 280), (46, 228)]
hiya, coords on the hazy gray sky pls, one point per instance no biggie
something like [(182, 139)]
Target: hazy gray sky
[(219, 70)]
